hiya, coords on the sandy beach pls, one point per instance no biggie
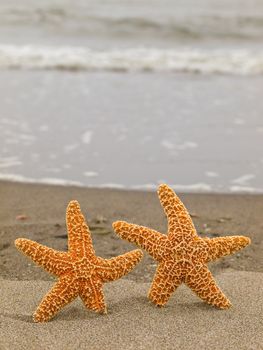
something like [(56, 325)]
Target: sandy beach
[(100, 103), (132, 322)]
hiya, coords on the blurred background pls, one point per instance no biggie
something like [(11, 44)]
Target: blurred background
[(128, 94)]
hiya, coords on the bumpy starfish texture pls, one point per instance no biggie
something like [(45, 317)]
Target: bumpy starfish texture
[(182, 255), (80, 271)]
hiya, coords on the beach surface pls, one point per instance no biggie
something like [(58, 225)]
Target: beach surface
[(132, 322), (38, 212)]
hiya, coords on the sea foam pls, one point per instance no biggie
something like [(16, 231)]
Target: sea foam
[(204, 61)]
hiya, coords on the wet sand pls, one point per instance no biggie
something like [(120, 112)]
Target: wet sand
[(38, 212), (44, 207)]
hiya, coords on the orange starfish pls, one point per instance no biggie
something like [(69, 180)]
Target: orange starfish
[(80, 271), (182, 255)]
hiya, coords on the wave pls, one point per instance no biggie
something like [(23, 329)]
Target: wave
[(192, 188), (45, 180), (80, 20), (234, 61)]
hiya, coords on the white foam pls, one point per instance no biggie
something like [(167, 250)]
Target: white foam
[(70, 148), (7, 121), (16, 178), (207, 61), (167, 144), (146, 139), (180, 147), (211, 174), (243, 180), (66, 166), (46, 180), (121, 137), (186, 145), (195, 188), (245, 189), (56, 181), (87, 136), (44, 128), (7, 162), (111, 185), (91, 173), (198, 187), (239, 121), (148, 186)]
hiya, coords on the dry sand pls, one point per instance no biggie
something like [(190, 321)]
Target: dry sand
[(132, 323)]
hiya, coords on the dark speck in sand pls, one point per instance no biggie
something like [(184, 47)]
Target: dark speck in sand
[(64, 236), (57, 225), (4, 246)]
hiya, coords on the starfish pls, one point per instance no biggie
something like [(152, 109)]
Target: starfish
[(80, 272), (182, 255)]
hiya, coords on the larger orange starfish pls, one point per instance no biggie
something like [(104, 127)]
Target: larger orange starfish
[(79, 270), (182, 255)]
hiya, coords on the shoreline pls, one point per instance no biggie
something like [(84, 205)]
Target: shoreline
[(198, 188)]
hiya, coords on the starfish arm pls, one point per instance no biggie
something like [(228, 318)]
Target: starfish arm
[(201, 281), (51, 260), (164, 284), (91, 294), (115, 268), (63, 292), (150, 240), (221, 246), (79, 238), (178, 217)]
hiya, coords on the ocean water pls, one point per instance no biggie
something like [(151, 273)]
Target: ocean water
[(129, 94)]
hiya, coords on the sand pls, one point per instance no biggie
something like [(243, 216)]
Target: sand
[(132, 322)]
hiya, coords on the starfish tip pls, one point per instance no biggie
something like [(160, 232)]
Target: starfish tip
[(37, 319), (247, 240), (225, 306), (19, 242), (117, 225), (74, 204), (163, 187)]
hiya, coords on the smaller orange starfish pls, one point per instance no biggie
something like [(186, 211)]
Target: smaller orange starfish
[(80, 271), (182, 255)]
